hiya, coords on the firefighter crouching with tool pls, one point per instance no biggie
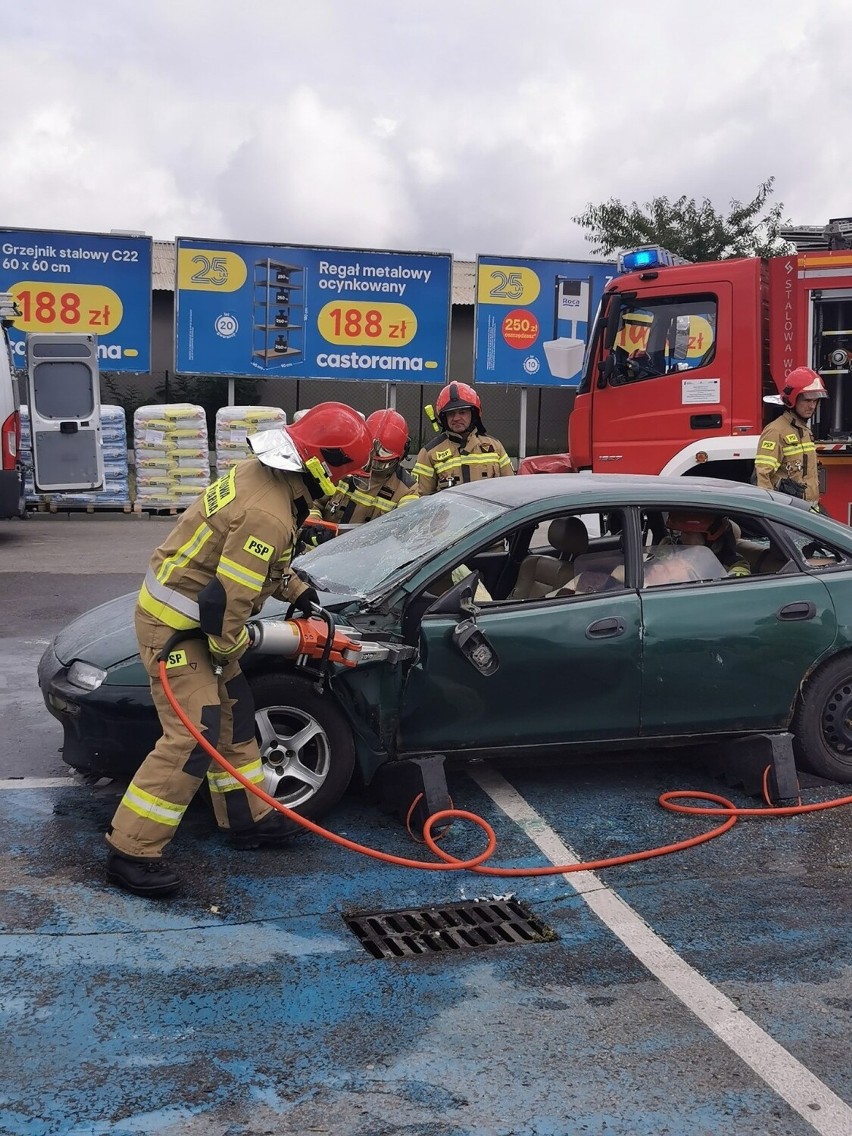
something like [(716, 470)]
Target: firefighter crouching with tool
[(226, 555), (786, 457), (462, 451), (371, 493)]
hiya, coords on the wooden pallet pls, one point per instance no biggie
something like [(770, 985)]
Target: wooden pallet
[(156, 510), (79, 507)]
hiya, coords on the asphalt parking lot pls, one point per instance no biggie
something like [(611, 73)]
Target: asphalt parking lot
[(706, 992)]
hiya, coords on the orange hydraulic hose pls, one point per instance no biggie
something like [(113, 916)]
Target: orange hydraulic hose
[(477, 863)]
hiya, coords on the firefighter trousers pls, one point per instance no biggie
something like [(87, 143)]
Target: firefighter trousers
[(221, 707)]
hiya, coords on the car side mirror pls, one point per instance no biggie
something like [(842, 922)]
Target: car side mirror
[(473, 644)]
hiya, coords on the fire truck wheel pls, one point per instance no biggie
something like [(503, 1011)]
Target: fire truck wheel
[(822, 724), (306, 744)]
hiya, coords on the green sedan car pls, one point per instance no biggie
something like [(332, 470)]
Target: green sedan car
[(524, 615)]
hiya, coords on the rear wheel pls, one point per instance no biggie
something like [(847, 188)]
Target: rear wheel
[(306, 744), (822, 724)]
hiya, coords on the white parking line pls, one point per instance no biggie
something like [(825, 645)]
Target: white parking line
[(811, 1099), (37, 783)]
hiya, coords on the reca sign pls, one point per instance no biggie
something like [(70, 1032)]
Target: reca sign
[(306, 313), (533, 318), (94, 283)]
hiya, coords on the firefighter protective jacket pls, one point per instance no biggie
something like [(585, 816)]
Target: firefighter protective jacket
[(359, 499), (786, 449), (447, 460), (227, 554)]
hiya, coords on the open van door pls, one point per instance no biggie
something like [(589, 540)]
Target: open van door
[(63, 382)]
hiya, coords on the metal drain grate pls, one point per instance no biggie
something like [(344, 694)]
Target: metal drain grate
[(453, 927)]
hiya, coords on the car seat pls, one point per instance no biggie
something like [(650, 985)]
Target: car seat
[(543, 573)]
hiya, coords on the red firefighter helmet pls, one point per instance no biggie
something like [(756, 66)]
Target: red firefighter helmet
[(390, 439), (802, 380), (711, 527), (459, 396), (329, 441)]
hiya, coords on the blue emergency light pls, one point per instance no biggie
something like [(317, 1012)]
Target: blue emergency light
[(649, 256)]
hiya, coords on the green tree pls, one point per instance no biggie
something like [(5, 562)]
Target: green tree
[(691, 229)]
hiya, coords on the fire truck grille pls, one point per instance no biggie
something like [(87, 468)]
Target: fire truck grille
[(452, 927)]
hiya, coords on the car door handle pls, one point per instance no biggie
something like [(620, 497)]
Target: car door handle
[(605, 628), (804, 609)]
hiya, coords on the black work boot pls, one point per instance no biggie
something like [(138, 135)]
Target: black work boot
[(148, 877), (272, 832)]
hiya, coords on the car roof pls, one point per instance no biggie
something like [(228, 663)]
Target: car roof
[(618, 488)]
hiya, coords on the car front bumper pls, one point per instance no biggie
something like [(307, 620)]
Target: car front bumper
[(109, 730)]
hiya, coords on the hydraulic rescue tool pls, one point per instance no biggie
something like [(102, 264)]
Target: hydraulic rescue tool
[(303, 638)]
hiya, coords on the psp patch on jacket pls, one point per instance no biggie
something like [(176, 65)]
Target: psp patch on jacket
[(258, 548)]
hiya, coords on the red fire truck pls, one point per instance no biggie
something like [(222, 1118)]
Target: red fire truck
[(683, 355)]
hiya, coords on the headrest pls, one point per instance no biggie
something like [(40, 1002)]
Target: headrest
[(568, 536)]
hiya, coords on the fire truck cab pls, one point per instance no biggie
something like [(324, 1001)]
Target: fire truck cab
[(683, 357)]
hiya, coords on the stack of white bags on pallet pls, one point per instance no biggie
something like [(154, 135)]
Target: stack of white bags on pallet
[(172, 455), (116, 488), (233, 426)]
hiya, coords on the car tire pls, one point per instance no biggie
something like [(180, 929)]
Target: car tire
[(823, 735), (313, 775)]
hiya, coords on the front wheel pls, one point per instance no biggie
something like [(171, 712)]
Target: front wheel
[(306, 744), (822, 724)]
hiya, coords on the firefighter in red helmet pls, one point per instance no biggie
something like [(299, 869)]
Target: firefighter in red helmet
[(786, 457), (370, 493), (462, 451), (714, 532), (229, 551)]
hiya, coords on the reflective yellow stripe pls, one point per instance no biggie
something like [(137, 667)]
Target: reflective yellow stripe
[(368, 500), (767, 463), (214, 644), (456, 464), (383, 505), (150, 807), (421, 470), (185, 553), (163, 612), (220, 781), (240, 575)]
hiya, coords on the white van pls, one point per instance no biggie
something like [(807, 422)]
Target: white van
[(12, 497)]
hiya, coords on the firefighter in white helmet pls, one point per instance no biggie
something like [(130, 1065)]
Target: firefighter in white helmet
[(462, 451), (786, 457), (226, 555)]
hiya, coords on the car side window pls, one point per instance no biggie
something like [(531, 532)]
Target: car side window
[(564, 555), (818, 554)]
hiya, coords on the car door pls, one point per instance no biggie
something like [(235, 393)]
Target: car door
[(730, 654), (569, 671)]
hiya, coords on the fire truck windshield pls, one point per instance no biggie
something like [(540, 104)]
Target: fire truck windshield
[(661, 336)]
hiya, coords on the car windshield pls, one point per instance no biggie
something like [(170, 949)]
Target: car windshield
[(371, 556)]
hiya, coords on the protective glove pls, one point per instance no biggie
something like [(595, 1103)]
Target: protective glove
[(305, 602), (316, 532), (313, 533)]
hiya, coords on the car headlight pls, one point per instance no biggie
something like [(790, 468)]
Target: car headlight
[(85, 675)]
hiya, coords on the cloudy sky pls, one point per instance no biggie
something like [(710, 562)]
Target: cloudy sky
[(460, 125)]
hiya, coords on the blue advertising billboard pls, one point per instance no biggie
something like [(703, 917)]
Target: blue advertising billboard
[(308, 313), (95, 283), (533, 318)]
